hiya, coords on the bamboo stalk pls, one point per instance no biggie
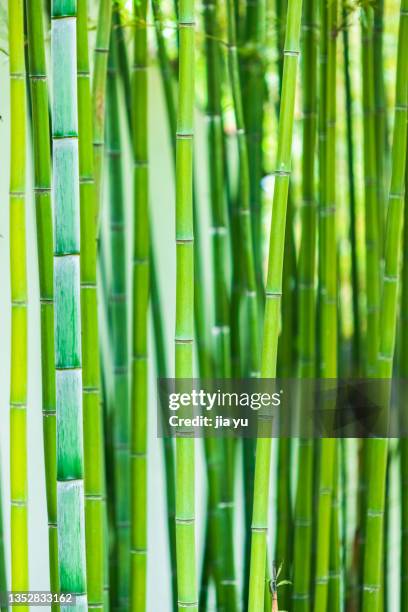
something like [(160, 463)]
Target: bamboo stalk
[(42, 190), (141, 276), (119, 334), (185, 451), (273, 298), (99, 90), (328, 297), (403, 444), (307, 308), (93, 432), (67, 313), (18, 280), (243, 197), (372, 223), (378, 448), (352, 199)]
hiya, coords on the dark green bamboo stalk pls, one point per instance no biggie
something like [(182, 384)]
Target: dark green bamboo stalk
[(99, 90), (141, 277), (381, 131), (220, 527), (328, 296), (119, 335), (185, 485), (372, 224), (18, 281), (352, 198), (67, 314), (378, 448), (307, 308), (244, 211), (93, 433), (253, 88), (273, 298), (42, 190)]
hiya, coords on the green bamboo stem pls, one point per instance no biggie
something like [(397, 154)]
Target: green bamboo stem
[(119, 335), (307, 308), (185, 512), (381, 132), (93, 434), (99, 90), (352, 199), (244, 210), (273, 298), (42, 190), (253, 88), (403, 445), (220, 525), (141, 275), (168, 447), (18, 280), (370, 180), (335, 576), (378, 448), (328, 288), (67, 313)]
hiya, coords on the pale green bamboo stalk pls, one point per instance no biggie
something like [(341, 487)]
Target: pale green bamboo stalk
[(93, 429), (67, 313), (42, 190), (273, 298), (119, 335), (18, 281), (99, 91), (141, 282), (185, 451), (378, 448)]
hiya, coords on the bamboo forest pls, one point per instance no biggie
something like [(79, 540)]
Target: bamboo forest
[(199, 190)]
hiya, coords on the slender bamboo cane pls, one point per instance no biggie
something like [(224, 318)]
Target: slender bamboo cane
[(381, 132), (371, 208), (378, 448), (328, 300), (67, 313), (185, 513), (93, 433), (119, 324), (99, 90), (334, 594), (244, 211), (18, 274), (253, 87), (352, 199), (307, 308), (403, 366), (141, 275), (42, 189), (273, 297)]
